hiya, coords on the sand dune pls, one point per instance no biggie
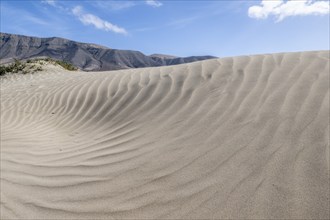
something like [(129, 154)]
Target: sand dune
[(231, 138)]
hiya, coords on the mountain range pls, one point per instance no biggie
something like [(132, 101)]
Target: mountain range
[(85, 56)]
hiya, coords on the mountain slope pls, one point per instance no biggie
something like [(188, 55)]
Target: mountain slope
[(89, 57)]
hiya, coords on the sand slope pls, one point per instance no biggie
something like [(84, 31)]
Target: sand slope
[(243, 137)]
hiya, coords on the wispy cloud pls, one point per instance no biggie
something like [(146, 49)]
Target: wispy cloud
[(57, 5), (90, 19), (35, 20), (26, 23), (183, 22), (280, 9), (24, 17), (50, 2), (154, 3), (143, 29), (113, 5)]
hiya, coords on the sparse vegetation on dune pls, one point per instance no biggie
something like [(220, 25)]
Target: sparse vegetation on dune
[(66, 65), (32, 66), (16, 67)]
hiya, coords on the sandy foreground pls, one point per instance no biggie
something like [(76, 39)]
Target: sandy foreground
[(233, 138)]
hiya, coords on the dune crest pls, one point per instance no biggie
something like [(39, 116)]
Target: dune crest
[(231, 138)]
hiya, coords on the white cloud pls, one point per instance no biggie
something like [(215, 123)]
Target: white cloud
[(90, 19), (281, 9), (153, 3)]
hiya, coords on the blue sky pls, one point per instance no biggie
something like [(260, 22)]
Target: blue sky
[(182, 28)]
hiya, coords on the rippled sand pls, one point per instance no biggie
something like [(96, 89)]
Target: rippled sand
[(242, 137)]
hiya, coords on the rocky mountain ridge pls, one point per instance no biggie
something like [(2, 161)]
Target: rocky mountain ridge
[(85, 56)]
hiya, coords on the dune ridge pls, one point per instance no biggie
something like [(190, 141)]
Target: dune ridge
[(231, 138)]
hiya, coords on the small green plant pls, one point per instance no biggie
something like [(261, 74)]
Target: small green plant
[(39, 68), (3, 70), (66, 65), (18, 66)]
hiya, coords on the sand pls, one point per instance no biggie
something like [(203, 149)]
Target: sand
[(232, 138)]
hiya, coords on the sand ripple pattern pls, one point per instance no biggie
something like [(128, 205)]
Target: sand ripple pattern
[(231, 138)]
